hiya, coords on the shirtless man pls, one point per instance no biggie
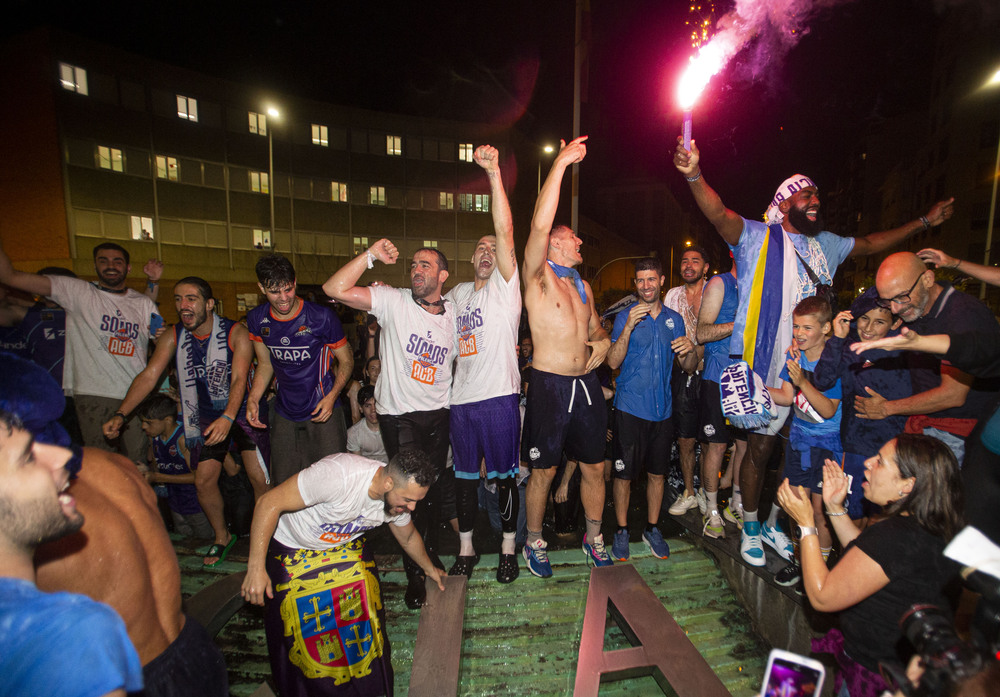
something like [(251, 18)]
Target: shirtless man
[(565, 404), (122, 555)]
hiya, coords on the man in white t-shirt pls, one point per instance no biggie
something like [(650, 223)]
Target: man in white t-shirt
[(108, 328), (325, 617), (365, 437), (485, 418), (417, 347)]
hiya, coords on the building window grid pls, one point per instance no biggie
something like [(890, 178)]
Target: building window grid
[(259, 183), (73, 78), (446, 201), (478, 203), (465, 151), (187, 108), (167, 168), (338, 192), (393, 145), (110, 158), (261, 238), (258, 123), (320, 135), (376, 195), (431, 244), (142, 228), (360, 245)]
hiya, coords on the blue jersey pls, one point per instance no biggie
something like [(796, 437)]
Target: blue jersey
[(301, 349), (44, 331), (717, 352), (644, 381), (207, 413), (808, 427), (183, 498)]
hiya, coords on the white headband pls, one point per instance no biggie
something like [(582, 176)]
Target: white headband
[(794, 183)]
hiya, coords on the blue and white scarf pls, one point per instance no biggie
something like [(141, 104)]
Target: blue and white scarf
[(214, 370)]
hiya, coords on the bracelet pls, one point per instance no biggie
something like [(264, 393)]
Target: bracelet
[(150, 283), (695, 177), (229, 418), (371, 259), (925, 222), (118, 413), (834, 515), (957, 264), (805, 530)]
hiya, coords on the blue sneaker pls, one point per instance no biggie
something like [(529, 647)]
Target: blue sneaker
[(537, 558), (751, 548), (657, 545), (776, 539), (596, 554), (619, 548)]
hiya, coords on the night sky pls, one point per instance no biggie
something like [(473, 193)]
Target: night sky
[(767, 115)]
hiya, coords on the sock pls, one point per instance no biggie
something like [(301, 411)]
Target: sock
[(737, 500), (650, 527), (712, 498), (533, 537), (772, 518), (593, 528), (507, 546), (749, 516), (826, 552), (465, 548)]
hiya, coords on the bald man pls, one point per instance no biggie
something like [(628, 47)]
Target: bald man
[(946, 402)]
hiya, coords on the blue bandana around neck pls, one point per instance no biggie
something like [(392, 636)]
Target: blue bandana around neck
[(566, 271)]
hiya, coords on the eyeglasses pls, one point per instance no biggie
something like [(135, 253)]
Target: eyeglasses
[(902, 298)]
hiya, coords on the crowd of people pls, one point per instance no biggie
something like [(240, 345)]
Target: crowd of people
[(889, 448)]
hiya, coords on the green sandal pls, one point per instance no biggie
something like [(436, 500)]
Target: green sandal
[(217, 550)]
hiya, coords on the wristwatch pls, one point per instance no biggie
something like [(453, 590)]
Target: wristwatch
[(807, 530)]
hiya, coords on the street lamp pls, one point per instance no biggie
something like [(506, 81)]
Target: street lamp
[(273, 114), (548, 150), (992, 83)]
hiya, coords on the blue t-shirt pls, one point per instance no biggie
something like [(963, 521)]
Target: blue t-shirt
[(45, 333), (717, 352), (809, 428), (644, 381), (183, 498), (301, 350), (62, 645)]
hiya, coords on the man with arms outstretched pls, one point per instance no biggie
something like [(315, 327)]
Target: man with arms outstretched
[(565, 409), (778, 264)]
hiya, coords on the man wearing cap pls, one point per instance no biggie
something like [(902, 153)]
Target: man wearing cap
[(778, 263)]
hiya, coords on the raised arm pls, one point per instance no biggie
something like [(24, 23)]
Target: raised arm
[(728, 223), (22, 280), (487, 157), (711, 303), (343, 285), (153, 270), (876, 242), (987, 274), (547, 204)]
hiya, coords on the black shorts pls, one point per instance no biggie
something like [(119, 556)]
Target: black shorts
[(237, 436), (191, 666), (638, 444), (712, 425), (564, 413), (684, 391)]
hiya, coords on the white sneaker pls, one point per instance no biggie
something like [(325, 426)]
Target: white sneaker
[(776, 539), (714, 527), (702, 501), (751, 548), (683, 504)]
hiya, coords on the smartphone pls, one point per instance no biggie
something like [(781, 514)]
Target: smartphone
[(155, 322), (791, 675)]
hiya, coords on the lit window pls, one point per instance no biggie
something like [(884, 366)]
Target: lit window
[(320, 135), (187, 108), (376, 196), (465, 152), (446, 201), (261, 239), (73, 78), (166, 168), (360, 245), (433, 244), (393, 145), (259, 183), (338, 191), (258, 123), (142, 228), (110, 158), (479, 203), (483, 203)]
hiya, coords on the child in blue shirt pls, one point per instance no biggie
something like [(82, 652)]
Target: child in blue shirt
[(814, 435)]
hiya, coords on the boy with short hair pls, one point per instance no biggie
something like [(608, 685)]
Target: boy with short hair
[(875, 371), (365, 438), (814, 435), (158, 415)]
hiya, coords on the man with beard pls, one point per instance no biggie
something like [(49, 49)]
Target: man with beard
[(99, 658), (325, 619), (778, 263), (212, 355), (485, 417), (685, 300), (108, 328), (565, 409), (417, 348), (297, 341), (647, 335)]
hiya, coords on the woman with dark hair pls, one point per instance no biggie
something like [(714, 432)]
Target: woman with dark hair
[(892, 564)]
